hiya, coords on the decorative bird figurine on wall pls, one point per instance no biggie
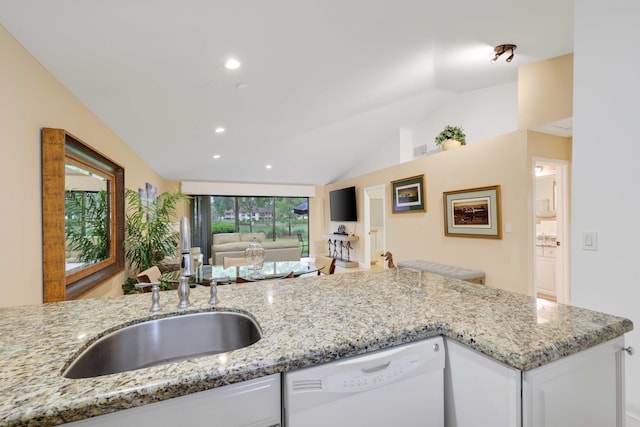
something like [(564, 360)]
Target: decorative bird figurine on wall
[(389, 258)]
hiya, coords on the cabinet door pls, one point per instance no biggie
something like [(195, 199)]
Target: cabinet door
[(254, 403), (550, 251), (479, 392), (585, 389), (546, 275)]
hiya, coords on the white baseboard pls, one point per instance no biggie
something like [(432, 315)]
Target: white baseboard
[(632, 421)]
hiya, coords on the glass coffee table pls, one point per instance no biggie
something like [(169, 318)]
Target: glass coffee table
[(269, 270)]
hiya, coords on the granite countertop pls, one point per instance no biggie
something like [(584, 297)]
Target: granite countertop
[(305, 321)]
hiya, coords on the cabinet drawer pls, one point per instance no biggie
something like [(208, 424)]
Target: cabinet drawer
[(254, 403), (550, 251)]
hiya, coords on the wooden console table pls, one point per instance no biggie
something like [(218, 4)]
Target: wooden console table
[(339, 247)]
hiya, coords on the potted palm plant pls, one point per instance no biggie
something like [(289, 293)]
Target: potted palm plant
[(151, 236), (451, 137)]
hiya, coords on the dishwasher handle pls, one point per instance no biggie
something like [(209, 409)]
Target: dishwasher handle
[(375, 368)]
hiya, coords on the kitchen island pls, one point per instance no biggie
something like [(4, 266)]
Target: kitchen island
[(304, 321)]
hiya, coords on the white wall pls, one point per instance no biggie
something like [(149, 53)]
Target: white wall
[(482, 113), (383, 156), (606, 174)]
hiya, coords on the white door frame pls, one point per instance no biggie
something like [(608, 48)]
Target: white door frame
[(563, 290), (369, 192)]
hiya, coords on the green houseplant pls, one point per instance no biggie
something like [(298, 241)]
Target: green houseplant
[(150, 234), (450, 133)]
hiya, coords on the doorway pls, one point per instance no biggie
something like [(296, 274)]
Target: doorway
[(374, 239), (551, 230)]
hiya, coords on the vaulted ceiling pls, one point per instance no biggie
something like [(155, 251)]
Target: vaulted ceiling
[(320, 82)]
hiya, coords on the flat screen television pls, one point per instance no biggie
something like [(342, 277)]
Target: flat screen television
[(342, 204)]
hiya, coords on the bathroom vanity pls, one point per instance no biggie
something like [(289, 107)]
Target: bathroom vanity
[(304, 322)]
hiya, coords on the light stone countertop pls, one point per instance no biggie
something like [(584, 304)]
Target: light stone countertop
[(304, 321)]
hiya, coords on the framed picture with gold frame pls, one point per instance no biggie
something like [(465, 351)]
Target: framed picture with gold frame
[(474, 212), (408, 195)]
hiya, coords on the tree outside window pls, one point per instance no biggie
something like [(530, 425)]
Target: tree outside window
[(279, 218)]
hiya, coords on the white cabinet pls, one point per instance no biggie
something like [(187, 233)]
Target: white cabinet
[(546, 270), (254, 403), (585, 389), (479, 392)]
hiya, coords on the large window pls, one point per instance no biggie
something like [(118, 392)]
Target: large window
[(279, 218)]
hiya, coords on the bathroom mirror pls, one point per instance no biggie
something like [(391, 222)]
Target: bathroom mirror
[(82, 216), (546, 196)]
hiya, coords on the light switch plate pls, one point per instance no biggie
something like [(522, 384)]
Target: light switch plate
[(590, 241)]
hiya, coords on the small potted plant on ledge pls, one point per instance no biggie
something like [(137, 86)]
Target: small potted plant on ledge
[(451, 137)]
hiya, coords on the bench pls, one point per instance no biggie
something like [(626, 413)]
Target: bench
[(466, 274)]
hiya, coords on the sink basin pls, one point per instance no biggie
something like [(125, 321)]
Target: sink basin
[(165, 340)]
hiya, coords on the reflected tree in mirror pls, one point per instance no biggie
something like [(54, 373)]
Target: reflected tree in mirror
[(86, 224)]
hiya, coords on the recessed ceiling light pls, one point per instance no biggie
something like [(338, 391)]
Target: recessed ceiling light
[(232, 64), (219, 129), (268, 166), (242, 85), (216, 156)]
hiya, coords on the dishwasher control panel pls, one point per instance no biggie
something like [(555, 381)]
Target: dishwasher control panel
[(374, 376)]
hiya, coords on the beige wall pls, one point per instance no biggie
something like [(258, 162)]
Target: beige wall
[(545, 92), (317, 244), (550, 146), (507, 161), (32, 99), (499, 161)]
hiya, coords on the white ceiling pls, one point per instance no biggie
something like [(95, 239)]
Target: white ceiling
[(327, 80)]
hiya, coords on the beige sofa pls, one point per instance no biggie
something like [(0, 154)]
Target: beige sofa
[(234, 245)]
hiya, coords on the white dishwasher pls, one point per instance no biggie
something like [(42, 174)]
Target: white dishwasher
[(398, 386)]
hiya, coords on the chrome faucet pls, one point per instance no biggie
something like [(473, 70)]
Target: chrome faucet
[(186, 270), (155, 294), (213, 289)]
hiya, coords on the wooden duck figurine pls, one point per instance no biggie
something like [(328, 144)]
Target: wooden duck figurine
[(389, 258)]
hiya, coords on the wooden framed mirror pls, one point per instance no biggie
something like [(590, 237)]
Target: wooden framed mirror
[(82, 216)]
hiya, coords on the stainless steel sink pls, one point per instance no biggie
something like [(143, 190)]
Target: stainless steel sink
[(165, 340)]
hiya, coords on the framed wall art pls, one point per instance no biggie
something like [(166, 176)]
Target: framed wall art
[(408, 195), (473, 213), (148, 195)]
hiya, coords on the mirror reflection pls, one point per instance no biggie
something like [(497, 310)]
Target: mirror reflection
[(545, 192), (87, 217)]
